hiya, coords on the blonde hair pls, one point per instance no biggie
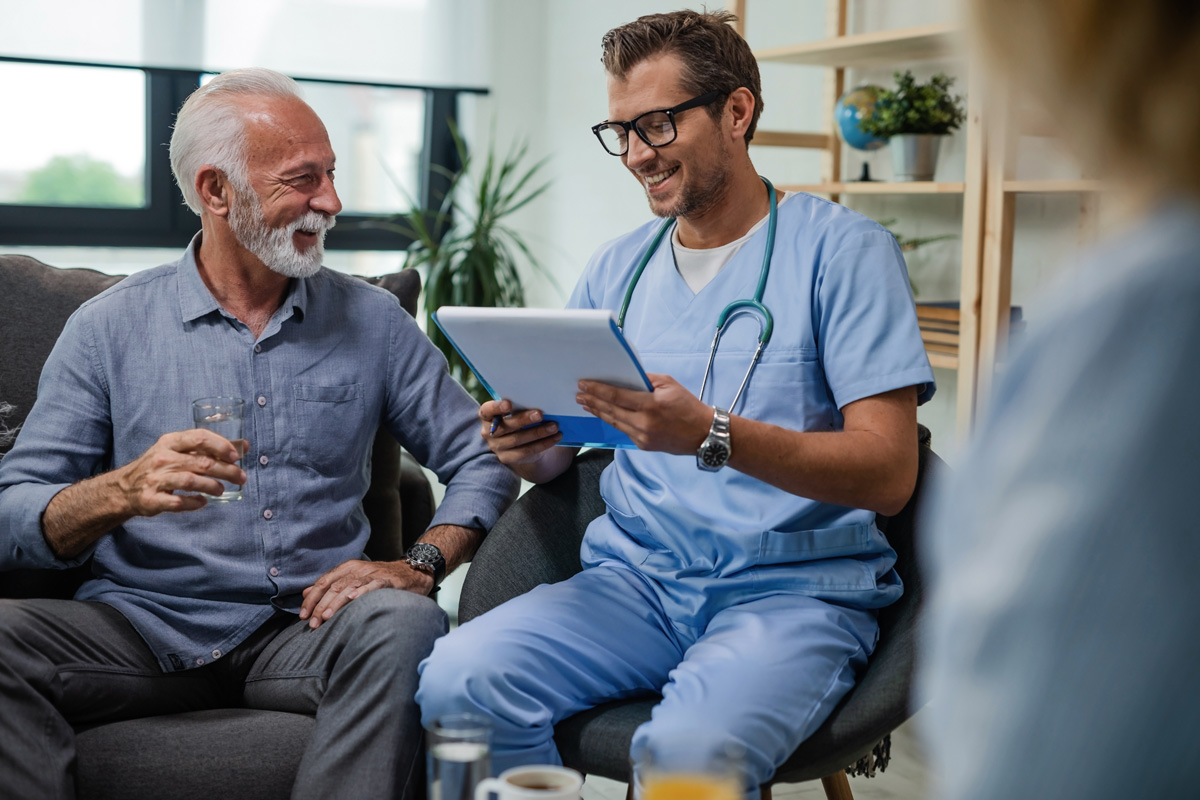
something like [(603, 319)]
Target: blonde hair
[(210, 128), (1122, 77)]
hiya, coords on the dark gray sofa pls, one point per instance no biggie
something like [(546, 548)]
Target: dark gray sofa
[(227, 753)]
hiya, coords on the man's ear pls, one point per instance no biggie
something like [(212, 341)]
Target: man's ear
[(215, 190), (740, 107)]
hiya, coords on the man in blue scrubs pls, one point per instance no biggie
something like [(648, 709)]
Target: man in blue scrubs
[(738, 570)]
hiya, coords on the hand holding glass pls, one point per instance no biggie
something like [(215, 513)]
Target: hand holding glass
[(223, 416)]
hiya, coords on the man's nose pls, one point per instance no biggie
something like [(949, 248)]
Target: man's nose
[(639, 152), (326, 199)]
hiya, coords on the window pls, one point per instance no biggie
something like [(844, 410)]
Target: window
[(47, 162), (92, 167)]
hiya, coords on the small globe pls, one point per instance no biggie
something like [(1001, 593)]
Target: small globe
[(853, 107)]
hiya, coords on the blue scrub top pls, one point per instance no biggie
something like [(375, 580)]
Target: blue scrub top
[(845, 329)]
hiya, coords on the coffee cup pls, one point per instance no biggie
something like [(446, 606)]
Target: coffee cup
[(533, 782)]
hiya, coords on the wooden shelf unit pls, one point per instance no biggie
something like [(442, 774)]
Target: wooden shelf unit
[(892, 47), (1008, 121), (869, 49), (989, 188)]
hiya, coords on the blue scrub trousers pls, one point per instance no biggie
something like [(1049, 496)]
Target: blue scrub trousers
[(765, 673)]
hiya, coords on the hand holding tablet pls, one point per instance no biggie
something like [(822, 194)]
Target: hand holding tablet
[(536, 358)]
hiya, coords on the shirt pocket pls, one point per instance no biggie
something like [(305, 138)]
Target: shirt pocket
[(329, 424), (791, 392), (635, 528), (818, 561), (784, 547)]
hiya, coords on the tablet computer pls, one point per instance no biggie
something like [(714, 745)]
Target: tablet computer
[(536, 357)]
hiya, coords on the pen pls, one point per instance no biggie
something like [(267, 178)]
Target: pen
[(495, 423)]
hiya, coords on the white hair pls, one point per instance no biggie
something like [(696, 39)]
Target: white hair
[(210, 128), (7, 435)]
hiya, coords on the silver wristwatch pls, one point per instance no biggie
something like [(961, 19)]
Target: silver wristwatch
[(715, 451), (426, 557)]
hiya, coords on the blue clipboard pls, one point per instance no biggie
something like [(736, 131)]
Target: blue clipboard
[(536, 358)]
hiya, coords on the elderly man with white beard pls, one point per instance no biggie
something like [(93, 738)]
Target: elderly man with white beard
[(267, 602)]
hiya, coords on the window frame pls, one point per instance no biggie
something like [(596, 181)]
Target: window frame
[(166, 221)]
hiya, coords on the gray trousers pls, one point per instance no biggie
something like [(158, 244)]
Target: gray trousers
[(65, 663)]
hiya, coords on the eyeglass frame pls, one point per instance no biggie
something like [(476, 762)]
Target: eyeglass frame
[(708, 98)]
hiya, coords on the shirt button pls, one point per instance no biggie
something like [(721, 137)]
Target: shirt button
[(263, 460), (262, 401), (199, 662), (274, 572), (216, 653), (268, 514), (258, 348)]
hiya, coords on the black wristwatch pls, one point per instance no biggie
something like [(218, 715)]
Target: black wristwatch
[(425, 556), (714, 452)]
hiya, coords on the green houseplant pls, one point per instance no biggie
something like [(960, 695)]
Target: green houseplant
[(913, 117), (470, 253), (910, 243)]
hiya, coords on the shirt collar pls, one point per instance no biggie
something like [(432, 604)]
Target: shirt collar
[(195, 300)]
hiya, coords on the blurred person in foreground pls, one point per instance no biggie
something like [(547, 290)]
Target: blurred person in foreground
[(1061, 648)]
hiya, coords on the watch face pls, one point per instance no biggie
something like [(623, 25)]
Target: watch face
[(422, 553), (715, 454)]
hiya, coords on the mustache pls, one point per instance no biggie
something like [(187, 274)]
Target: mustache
[(313, 221)]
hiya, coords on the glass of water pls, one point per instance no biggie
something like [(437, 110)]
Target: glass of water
[(457, 755), (223, 415)]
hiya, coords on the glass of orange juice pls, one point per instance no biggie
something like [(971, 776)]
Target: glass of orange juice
[(677, 769)]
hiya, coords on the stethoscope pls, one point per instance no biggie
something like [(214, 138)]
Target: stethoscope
[(746, 306)]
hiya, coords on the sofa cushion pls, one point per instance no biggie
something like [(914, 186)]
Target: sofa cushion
[(162, 756), (37, 299)]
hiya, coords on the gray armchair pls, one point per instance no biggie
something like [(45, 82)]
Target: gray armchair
[(229, 753), (537, 541)]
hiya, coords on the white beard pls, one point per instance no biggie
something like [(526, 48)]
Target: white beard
[(274, 246)]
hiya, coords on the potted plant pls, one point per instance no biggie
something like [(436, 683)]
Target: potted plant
[(469, 252), (910, 243), (913, 117)]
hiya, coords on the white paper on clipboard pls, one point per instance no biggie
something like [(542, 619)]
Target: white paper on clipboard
[(536, 358)]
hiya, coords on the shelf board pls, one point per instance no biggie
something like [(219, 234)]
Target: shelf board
[(1053, 186), (812, 141), (878, 187), (866, 49), (942, 360)]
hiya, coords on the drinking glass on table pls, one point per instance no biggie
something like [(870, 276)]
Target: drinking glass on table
[(224, 416), (457, 755), (678, 769)]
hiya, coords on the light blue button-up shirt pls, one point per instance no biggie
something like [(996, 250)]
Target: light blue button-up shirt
[(338, 359), (1060, 639)]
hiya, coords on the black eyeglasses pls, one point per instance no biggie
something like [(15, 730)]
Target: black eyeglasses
[(655, 128)]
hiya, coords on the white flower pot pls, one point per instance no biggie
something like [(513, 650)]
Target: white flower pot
[(914, 156)]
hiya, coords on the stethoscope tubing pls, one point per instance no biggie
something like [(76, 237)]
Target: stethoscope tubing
[(766, 322)]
